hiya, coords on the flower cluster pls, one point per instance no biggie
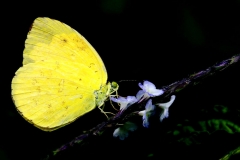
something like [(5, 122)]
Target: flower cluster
[(147, 91), (124, 102)]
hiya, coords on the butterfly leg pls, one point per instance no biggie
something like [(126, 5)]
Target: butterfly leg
[(105, 113)]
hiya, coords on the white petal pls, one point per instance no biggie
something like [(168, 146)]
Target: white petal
[(140, 94), (121, 133), (114, 99), (149, 85), (131, 99), (141, 113), (156, 92), (168, 104), (150, 89), (141, 86), (145, 122), (164, 114), (116, 132), (149, 105)]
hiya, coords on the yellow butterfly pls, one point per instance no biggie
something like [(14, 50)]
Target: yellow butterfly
[(62, 77)]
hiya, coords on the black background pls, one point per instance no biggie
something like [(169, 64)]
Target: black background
[(137, 40)]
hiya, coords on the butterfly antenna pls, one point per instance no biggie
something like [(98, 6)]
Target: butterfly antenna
[(128, 80)]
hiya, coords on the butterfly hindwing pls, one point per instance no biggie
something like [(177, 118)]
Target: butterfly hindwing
[(60, 73)]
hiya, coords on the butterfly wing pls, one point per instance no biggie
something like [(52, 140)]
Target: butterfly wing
[(60, 73)]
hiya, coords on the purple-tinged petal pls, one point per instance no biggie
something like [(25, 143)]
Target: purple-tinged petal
[(140, 95), (148, 84), (150, 89), (165, 107), (124, 102), (149, 106), (147, 113), (164, 114)]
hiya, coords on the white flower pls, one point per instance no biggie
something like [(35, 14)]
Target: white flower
[(124, 102), (122, 132), (147, 113), (165, 107), (148, 90)]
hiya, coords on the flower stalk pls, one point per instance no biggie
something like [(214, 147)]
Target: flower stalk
[(133, 110)]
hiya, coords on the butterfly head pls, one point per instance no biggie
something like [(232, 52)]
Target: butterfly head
[(104, 92)]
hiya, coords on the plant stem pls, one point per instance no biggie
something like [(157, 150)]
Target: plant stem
[(131, 111)]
